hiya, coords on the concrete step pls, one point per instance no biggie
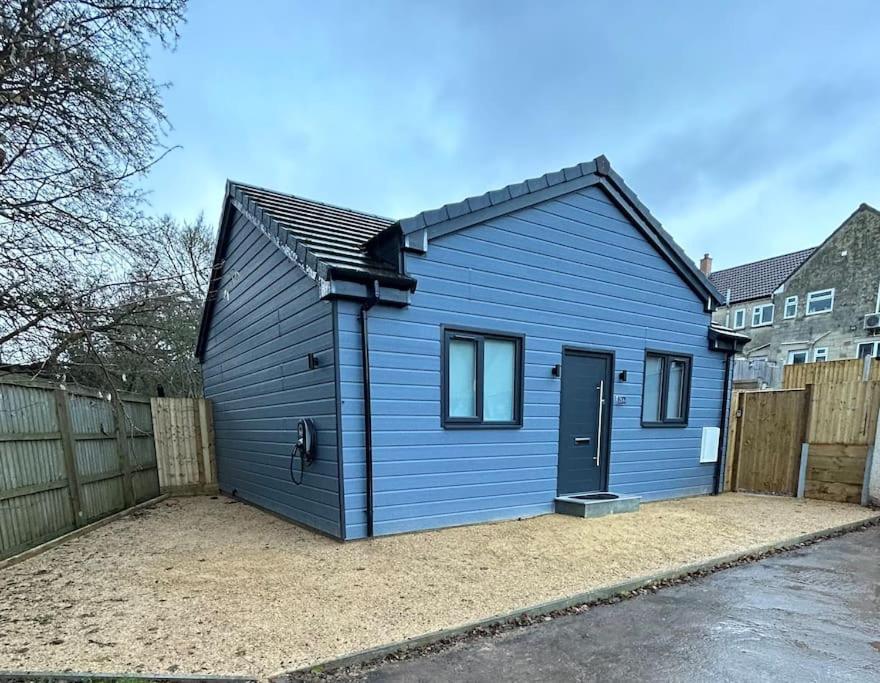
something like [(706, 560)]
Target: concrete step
[(596, 504)]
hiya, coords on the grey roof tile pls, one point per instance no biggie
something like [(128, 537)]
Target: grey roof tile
[(760, 278), (319, 233)]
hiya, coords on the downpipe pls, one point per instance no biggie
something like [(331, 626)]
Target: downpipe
[(725, 420), (368, 411)]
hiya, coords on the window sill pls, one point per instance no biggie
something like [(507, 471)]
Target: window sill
[(830, 310), (482, 425), (763, 324), (664, 425)]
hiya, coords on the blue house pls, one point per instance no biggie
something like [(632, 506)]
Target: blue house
[(481, 361)]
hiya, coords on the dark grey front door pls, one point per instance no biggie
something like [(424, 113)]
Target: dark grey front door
[(583, 421)]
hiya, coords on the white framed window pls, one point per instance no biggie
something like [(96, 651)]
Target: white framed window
[(762, 315), (739, 318), (791, 304), (798, 357), (877, 307), (820, 301), (820, 355), (869, 348)]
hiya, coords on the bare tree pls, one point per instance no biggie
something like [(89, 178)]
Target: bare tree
[(145, 336), (80, 120)]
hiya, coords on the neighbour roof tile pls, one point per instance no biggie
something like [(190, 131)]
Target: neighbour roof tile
[(758, 279)]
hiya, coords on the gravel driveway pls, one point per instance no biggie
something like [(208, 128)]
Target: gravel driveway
[(201, 585)]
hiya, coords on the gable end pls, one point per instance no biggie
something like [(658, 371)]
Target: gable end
[(417, 231)]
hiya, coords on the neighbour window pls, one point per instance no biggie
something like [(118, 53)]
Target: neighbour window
[(762, 315), (821, 301), (482, 379), (820, 355), (666, 392), (871, 348), (739, 318), (877, 308), (797, 357), (790, 307)]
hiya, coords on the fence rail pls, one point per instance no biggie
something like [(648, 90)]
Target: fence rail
[(68, 458)]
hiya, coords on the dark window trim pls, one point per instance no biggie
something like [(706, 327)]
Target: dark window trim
[(664, 384), (480, 335)]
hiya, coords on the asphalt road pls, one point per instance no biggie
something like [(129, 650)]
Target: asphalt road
[(808, 615)]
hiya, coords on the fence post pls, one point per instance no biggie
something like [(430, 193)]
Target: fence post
[(68, 448), (805, 441), (871, 486), (122, 447), (737, 445), (200, 456)]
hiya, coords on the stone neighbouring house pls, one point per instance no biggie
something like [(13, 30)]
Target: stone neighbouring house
[(807, 306)]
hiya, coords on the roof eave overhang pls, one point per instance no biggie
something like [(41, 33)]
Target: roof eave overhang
[(726, 340)]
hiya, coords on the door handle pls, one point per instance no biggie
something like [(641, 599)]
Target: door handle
[(601, 390), (581, 440)]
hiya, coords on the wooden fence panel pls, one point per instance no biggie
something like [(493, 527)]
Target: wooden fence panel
[(141, 449), (831, 372), (836, 472), (98, 459), (771, 431), (66, 459), (34, 504), (844, 413), (184, 444)]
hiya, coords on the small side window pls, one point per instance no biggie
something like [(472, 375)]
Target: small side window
[(666, 390), (791, 306), (739, 318), (820, 355)]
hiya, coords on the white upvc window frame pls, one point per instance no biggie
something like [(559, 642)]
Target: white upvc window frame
[(739, 312), (873, 343), (763, 307), (790, 300), (812, 296), (820, 354), (877, 307), (795, 352)]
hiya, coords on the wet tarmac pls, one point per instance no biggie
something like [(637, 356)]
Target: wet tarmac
[(808, 615)]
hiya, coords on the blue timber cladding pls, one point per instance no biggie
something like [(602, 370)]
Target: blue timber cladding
[(266, 318), (571, 271)]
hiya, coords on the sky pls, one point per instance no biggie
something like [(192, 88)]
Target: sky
[(749, 129)]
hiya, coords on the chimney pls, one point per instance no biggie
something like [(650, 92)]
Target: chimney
[(706, 264)]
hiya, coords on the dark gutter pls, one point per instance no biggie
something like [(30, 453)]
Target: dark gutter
[(366, 276), (368, 412)]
